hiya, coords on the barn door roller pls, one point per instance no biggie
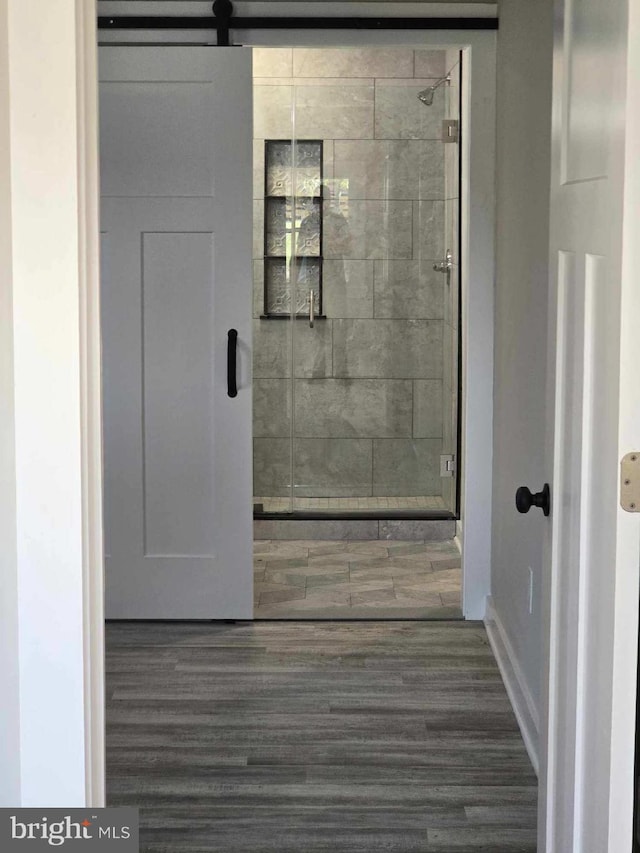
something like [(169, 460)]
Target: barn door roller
[(223, 10)]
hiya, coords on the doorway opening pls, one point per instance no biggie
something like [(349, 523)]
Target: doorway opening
[(356, 346)]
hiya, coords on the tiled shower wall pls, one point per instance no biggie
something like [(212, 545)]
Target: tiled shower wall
[(370, 379)]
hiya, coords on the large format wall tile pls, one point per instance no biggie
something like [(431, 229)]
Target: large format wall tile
[(271, 349), (427, 408), (324, 82), (258, 228), (258, 168), (258, 288), (447, 359), (408, 289), (450, 356), (374, 369), (271, 408), (272, 61), (272, 112), (429, 531), (400, 115), (358, 408), (271, 467), (391, 169), (451, 171), (452, 100), (452, 59), (347, 529), (352, 62), (451, 227), (393, 349), (313, 355), (429, 230), (430, 63), (453, 105), (326, 467), (347, 288), (452, 297), (406, 467), (368, 229), (334, 112)]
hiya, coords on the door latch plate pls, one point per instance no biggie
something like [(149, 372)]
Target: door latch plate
[(630, 482)]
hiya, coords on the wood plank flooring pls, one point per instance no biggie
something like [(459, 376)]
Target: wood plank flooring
[(376, 579), (308, 737)]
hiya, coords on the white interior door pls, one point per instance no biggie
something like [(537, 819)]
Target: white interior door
[(175, 137), (592, 555)]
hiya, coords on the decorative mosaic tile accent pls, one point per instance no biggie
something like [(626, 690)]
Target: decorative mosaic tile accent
[(279, 273)]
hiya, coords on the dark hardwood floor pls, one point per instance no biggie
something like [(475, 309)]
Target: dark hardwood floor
[(304, 737)]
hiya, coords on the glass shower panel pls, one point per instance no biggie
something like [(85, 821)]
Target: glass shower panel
[(274, 269), (450, 383), (373, 373)]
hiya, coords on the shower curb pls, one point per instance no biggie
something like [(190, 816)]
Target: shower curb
[(341, 529)]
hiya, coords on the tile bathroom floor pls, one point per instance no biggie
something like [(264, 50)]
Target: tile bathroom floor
[(377, 579)]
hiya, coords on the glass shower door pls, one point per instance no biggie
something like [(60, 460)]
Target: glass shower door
[(356, 298), (373, 380)]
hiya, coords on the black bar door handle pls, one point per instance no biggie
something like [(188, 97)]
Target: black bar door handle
[(232, 346)]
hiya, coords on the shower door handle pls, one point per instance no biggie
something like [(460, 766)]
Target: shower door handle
[(311, 313), (232, 349)]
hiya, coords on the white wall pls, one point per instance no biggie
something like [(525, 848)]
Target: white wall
[(523, 181), (10, 704), (50, 484)]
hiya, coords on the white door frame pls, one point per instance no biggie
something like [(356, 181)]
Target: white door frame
[(477, 248), (52, 613), (54, 457), (477, 253), (612, 673), (60, 540)]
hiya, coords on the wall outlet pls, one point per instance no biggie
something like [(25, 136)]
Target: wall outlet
[(530, 590)]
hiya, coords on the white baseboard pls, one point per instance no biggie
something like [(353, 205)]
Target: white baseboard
[(514, 682)]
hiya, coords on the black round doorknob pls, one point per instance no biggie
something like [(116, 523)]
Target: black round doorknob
[(525, 499)]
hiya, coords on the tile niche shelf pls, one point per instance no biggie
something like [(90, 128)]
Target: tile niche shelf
[(292, 227)]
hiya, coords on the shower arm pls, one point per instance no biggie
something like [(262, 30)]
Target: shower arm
[(441, 81)]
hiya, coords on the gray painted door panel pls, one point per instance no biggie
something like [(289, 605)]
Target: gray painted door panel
[(176, 241)]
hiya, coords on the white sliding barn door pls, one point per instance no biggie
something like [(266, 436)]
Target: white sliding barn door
[(176, 226), (592, 555)]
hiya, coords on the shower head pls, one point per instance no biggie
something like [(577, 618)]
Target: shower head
[(426, 96)]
